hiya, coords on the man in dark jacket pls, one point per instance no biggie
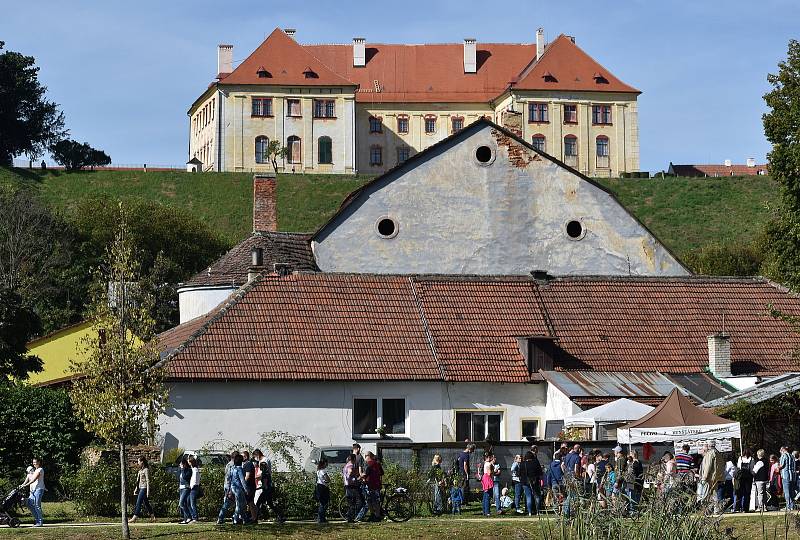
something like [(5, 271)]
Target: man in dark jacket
[(530, 476)]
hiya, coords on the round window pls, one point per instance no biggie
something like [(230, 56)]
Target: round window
[(386, 227), (575, 230), (483, 154)]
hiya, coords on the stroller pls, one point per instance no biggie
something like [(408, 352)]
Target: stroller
[(10, 502)]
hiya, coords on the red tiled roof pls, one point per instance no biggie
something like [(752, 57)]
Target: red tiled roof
[(662, 324), (463, 328), (570, 68), (285, 61), (424, 73), (718, 170)]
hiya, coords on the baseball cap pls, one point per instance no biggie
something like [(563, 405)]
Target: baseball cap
[(29, 470), (618, 448)]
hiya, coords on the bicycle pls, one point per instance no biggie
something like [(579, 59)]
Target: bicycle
[(396, 504)]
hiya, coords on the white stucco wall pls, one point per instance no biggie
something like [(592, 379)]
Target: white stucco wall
[(239, 411), (457, 216), (196, 301), (559, 405)]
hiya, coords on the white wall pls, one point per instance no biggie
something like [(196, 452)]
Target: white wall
[(239, 411), (559, 405), (196, 301)]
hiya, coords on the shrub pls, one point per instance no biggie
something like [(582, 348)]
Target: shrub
[(94, 490), (726, 259)]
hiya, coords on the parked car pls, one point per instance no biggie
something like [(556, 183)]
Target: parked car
[(336, 456), (203, 459)]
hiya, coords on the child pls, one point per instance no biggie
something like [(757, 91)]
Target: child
[(322, 493), (456, 497), (505, 500)]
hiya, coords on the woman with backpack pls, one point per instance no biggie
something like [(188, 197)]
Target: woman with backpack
[(744, 484)]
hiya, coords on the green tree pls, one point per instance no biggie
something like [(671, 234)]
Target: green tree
[(18, 324), (275, 151), (29, 123), (119, 390), (74, 156), (782, 128), (726, 259)]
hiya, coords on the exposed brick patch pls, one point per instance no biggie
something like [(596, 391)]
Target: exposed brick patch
[(265, 204), (519, 156), (94, 455)]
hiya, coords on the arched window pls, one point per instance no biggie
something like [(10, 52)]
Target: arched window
[(602, 151), (538, 142), (571, 150), (325, 150), (262, 144), (293, 145)]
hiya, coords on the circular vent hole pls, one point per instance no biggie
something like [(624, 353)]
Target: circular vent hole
[(483, 154), (387, 227), (574, 229)]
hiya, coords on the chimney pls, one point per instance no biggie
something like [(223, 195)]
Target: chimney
[(727, 163), (751, 162), (719, 354), (539, 43), (290, 32), (470, 60), (265, 207), (359, 52), (224, 58)]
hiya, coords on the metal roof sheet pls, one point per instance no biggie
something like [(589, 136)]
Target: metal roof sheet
[(788, 382), (603, 383)]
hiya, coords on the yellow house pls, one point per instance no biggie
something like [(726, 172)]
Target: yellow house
[(56, 350), (366, 107)]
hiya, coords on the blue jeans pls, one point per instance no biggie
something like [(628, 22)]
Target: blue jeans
[(34, 502), (496, 491), (226, 502), (193, 502), (487, 503), (788, 493), (183, 503), (517, 494), (635, 495), (240, 514), (141, 499)]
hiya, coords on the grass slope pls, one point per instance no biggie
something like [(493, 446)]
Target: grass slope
[(684, 213)]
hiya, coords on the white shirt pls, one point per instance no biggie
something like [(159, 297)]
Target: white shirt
[(195, 480), (39, 482), (323, 478), (730, 469), (757, 466)]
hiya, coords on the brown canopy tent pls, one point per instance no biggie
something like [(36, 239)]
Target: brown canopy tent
[(678, 419)]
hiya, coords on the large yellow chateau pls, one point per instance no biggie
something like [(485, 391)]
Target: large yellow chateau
[(365, 107)]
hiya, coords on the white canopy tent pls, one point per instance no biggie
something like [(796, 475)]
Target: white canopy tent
[(616, 412), (678, 419)]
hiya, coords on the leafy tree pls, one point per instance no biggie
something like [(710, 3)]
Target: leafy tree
[(37, 261), (74, 156), (28, 122), (276, 151), (726, 259), (120, 390), (18, 324), (782, 128)]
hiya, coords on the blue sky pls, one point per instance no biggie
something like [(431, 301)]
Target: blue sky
[(125, 73)]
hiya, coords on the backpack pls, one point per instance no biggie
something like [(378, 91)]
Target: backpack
[(737, 478), (600, 471)]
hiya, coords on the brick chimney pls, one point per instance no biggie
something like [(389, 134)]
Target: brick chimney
[(265, 203), (224, 58), (470, 55), (719, 354), (359, 52), (539, 43)]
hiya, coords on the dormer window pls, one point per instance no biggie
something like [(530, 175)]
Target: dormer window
[(549, 77), (599, 78), (263, 73), (310, 74)]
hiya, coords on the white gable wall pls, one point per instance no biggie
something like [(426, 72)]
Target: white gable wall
[(457, 216)]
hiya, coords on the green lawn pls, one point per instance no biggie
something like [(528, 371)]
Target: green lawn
[(685, 213)]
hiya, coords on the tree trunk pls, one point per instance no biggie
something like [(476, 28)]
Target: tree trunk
[(123, 497)]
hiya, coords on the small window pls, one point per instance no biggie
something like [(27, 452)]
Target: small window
[(478, 426), (371, 413), (538, 112), (386, 227), (571, 146), (325, 152), (575, 229), (375, 124), (553, 428), (294, 153), (293, 107), (262, 146), (430, 125), (483, 154), (603, 160), (402, 153), (601, 114), (375, 155), (530, 428), (324, 108), (402, 124), (538, 142), (261, 107), (570, 114), (458, 123)]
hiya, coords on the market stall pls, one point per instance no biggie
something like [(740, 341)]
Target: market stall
[(602, 422)]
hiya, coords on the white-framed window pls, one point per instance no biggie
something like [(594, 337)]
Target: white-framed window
[(369, 413), (479, 425), (529, 427), (430, 124), (262, 146), (293, 107), (538, 141)]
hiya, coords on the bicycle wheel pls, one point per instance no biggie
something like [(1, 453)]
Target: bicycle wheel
[(399, 507), (344, 507)]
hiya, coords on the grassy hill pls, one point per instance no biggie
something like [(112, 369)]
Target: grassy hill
[(685, 213)]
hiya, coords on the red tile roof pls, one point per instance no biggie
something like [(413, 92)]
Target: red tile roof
[(569, 68), (462, 328), (718, 170), (424, 73)]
